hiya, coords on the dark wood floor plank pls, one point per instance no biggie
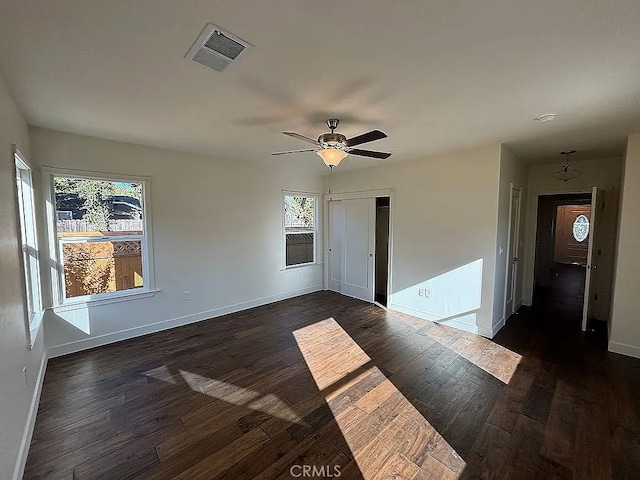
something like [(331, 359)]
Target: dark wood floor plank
[(559, 440), (523, 458), (122, 464), (467, 423), (226, 457), (488, 454)]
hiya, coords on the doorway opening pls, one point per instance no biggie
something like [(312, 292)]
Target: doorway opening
[(382, 250), (562, 243)]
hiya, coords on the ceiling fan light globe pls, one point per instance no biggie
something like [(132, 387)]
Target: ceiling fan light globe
[(331, 156)]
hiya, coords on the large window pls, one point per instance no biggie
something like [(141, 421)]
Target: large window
[(101, 237), (29, 244), (299, 229)]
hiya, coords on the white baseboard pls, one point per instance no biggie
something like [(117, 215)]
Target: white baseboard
[(497, 327), (413, 311), (31, 421), (624, 349), (100, 340), (452, 322)]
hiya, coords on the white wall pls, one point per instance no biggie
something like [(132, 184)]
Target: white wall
[(601, 173), (444, 224), (216, 233), (512, 171), (625, 320), (18, 401)]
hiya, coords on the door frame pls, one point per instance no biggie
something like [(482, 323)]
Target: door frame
[(531, 232), (327, 197), (515, 303), (596, 203)]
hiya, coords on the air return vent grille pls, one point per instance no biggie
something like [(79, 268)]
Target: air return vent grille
[(216, 49)]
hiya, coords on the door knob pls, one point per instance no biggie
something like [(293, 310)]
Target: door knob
[(593, 266), (371, 254)]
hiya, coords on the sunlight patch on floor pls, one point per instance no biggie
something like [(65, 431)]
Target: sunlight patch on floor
[(387, 436), (482, 352), (270, 403), (161, 373)]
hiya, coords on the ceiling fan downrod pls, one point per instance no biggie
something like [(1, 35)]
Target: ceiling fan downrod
[(333, 123)]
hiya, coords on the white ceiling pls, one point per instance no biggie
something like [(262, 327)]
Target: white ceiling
[(434, 75)]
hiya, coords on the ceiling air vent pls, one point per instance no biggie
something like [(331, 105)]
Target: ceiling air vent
[(216, 49)]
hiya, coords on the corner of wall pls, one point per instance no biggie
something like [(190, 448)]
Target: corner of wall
[(31, 419)]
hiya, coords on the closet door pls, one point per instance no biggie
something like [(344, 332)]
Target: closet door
[(358, 245)]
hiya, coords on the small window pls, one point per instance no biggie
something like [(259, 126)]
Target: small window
[(101, 236), (29, 244), (299, 229), (581, 228)]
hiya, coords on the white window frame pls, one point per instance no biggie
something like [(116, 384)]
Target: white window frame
[(315, 230), (55, 245), (28, 241)]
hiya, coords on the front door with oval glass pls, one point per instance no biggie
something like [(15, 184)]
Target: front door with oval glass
[(572, 233)]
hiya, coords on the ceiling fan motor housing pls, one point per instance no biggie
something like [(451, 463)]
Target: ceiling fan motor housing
[(332, 140)]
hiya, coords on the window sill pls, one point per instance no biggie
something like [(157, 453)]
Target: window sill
[(123, 297), (302, 265), (34, 328)]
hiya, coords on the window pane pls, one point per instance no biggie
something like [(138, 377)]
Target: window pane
[(299, 248), (101, 267), (28, 236), (581, 228), (85, 207), (33, 281), (299, 212)]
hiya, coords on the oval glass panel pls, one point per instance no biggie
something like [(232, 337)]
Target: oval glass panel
[(581, 228)]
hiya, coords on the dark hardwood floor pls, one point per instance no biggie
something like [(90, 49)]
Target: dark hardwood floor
[(343, 386)]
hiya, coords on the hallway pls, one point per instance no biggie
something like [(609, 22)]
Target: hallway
[(559, 305)]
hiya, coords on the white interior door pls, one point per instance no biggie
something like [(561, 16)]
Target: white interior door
[(358, 247), (512, 251), (596, 204), (336, 234)]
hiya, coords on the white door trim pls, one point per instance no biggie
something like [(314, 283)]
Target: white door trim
[(509, 269), (596, 201), (531, 231), (385, 192)]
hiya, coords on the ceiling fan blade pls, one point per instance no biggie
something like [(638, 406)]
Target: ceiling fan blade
[(301, 137), (295, 151), (366, 137), (369, 153)]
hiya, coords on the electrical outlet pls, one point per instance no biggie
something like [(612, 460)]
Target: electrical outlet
[(185, 295), (421, 292), (427, 292)]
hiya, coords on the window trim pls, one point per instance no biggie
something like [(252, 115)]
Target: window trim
[(32, 287), (55, 246), (316, 200)]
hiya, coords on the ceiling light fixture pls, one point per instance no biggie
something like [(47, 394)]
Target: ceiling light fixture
[(333, 147), (332, 156), (547, 117), (567, 173)]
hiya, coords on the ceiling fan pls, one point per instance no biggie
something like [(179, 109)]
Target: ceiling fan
[(333, 147)]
